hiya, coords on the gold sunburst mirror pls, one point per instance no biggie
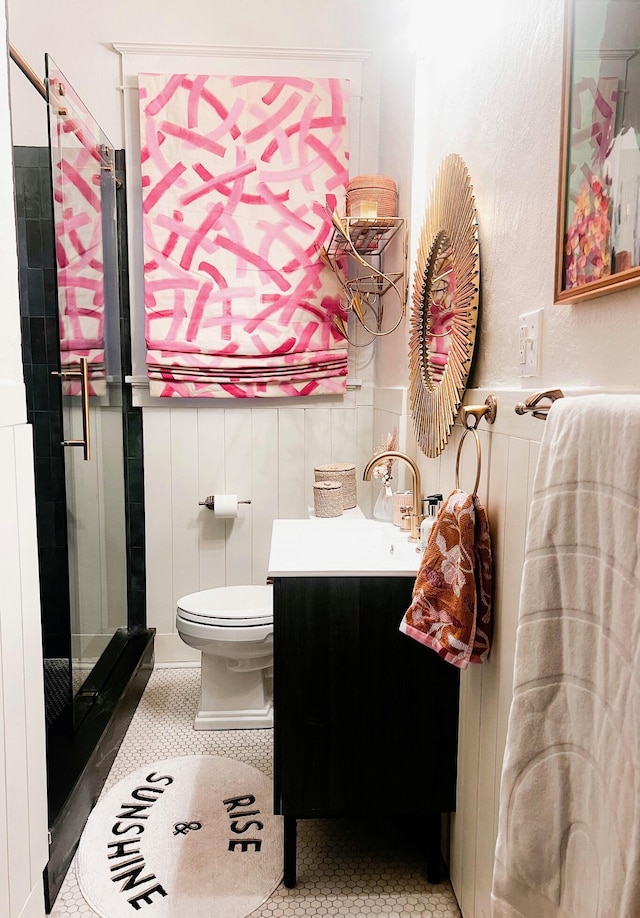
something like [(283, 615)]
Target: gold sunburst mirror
[(444, 314)]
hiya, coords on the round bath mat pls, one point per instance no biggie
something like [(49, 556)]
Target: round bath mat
[(193, 836)]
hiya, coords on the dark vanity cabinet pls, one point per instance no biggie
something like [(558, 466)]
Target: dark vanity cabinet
[(366, 719)]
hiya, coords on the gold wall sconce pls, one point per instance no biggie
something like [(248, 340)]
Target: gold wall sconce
[(355, 255)]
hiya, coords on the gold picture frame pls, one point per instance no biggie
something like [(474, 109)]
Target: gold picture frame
[(599, 175), (444, 314)]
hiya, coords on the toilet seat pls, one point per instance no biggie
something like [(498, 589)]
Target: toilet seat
[(229, 607)]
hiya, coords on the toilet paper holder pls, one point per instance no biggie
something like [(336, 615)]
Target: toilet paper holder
[(210, 502)]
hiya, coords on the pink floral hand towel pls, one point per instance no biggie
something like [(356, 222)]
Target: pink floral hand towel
[(451, 607)]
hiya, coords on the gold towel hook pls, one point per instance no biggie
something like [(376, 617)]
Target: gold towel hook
[(487, 411)]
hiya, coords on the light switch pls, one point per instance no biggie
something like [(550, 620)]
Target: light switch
[(530, 343)]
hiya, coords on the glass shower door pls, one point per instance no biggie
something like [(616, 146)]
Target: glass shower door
[(84, 209)]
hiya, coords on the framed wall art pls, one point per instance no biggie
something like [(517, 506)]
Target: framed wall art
[(598, 234)]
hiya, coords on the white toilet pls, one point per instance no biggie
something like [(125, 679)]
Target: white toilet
[(233, 628)]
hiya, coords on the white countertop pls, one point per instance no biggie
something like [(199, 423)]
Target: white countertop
[(339, 547)]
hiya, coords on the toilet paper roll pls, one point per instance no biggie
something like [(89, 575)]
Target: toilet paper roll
[(225, 505)]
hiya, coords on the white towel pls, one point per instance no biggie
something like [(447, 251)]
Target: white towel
[(569, 827)]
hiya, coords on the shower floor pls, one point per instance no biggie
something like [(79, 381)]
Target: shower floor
[(345, 867), (56, 687)]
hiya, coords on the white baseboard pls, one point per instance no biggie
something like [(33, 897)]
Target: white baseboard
[(171, 649), (176, 665)]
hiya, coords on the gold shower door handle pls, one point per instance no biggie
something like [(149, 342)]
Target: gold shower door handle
[(83, 375)]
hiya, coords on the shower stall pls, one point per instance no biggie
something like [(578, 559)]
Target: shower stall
[(98, 653)]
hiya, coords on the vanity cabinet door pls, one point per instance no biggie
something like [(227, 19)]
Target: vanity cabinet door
[(366, 719)]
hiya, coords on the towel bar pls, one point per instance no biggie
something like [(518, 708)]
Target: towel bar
[(532, 404)]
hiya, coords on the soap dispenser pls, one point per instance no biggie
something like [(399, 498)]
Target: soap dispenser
[(433, 502)]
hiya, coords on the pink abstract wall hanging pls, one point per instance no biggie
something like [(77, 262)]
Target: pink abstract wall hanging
[(237, 174)]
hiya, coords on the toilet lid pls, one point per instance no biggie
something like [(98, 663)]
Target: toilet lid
[(230, 607)]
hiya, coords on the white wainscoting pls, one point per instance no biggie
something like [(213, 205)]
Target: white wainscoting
[(263, 452), (509, 455), (510, 451), (23, 801)]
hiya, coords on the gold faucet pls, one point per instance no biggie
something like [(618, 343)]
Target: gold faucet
[(416, 516)]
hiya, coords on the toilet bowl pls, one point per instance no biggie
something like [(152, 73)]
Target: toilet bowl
[(232, 627)]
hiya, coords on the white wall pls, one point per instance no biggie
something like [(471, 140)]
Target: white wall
[(23, 804), (489, 89), (397, 62), (79, 35)]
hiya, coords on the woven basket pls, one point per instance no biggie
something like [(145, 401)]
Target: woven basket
[(372, 196), (343, 472), (327, 498)]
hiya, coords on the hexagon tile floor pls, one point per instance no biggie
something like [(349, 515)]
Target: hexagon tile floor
[(345, 867)]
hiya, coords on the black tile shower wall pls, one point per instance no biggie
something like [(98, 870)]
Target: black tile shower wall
[(133, 450), (41, 356)]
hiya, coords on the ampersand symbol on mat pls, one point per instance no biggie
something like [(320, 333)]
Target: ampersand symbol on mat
[(181, 828)]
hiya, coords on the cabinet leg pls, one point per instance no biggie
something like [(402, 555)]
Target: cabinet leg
[(290, 833), (436, 867)]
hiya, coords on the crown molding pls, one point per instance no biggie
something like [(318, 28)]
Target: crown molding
[(249, 51), (614, 54)]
